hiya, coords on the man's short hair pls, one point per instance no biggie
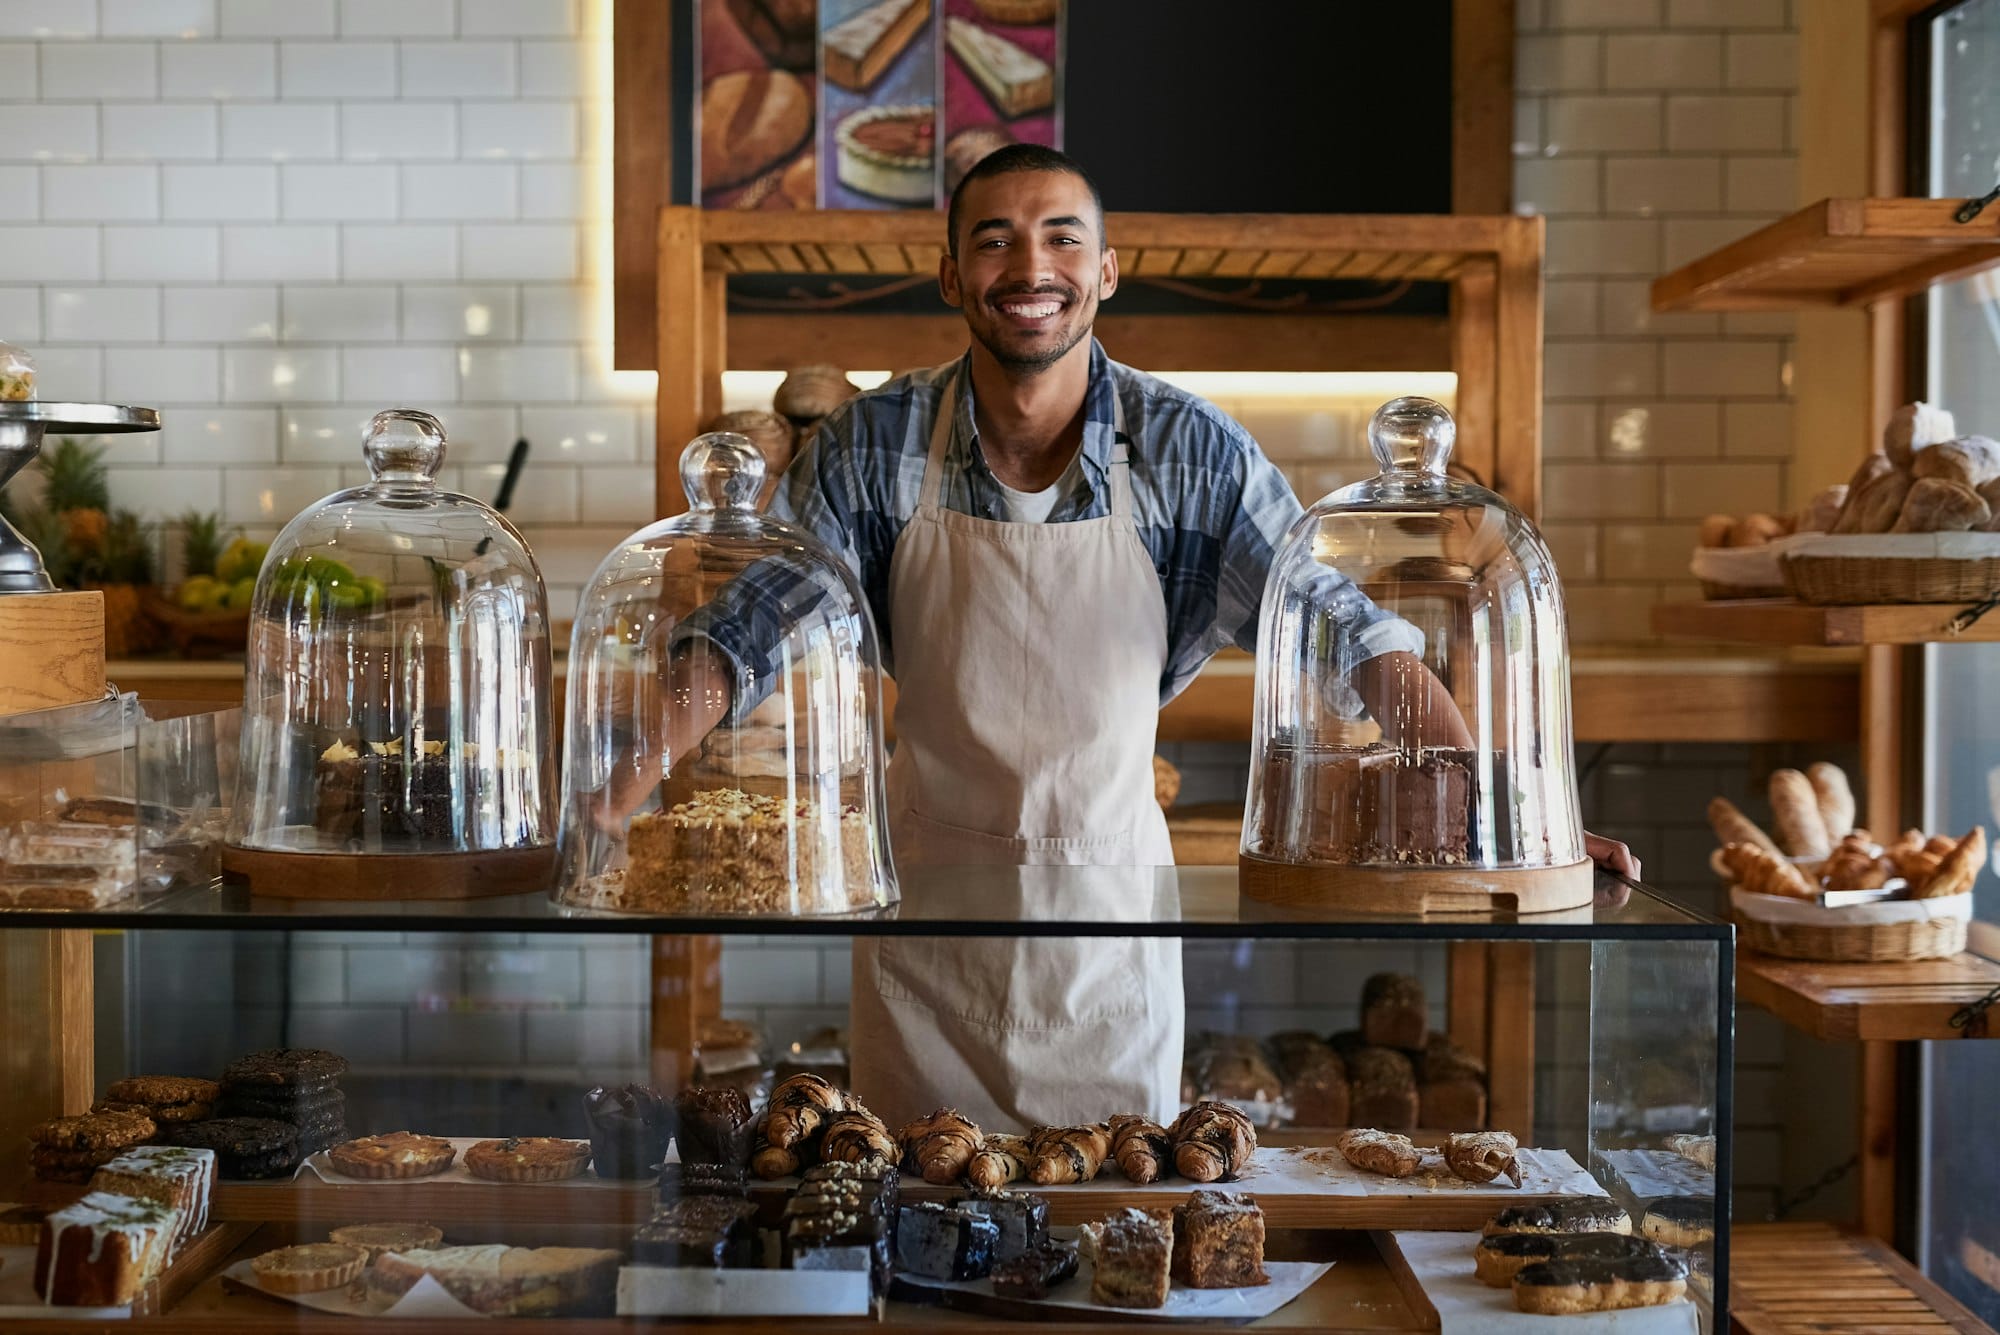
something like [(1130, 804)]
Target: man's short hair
[(1021, 158)]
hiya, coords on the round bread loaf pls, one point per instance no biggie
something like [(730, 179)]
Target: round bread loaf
[(751, 120)]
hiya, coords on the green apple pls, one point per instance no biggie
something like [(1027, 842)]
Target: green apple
[(196, 593), (240, 594)]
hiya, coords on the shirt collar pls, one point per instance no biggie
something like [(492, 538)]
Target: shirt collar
[(1100, 422)]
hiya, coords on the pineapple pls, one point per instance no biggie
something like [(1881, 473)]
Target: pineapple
[(74, 486), (201, 543)]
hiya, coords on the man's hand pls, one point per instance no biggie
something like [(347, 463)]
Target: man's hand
[(674, 714), (1611, 855)]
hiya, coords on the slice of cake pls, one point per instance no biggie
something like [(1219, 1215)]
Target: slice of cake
[(1219, 1241), (101, 1251), (856, 51), (169, 1175), (507, 1281), (376, 794), (1131, 1254), (1016, 81)]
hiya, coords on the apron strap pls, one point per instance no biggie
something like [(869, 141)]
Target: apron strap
[(1121, 456), (931, 494)]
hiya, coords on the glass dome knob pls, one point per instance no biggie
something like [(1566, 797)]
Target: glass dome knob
[(722, 471), (1411, 435), (404, 443)]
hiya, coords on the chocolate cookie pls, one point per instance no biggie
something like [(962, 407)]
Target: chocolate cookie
[(93, 1131), (242, 1137), (258, 1168), (286, 1067), (162, 1089), (265, 1101), (171, 1112)]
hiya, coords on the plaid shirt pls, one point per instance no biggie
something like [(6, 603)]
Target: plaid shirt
[(1210, 508)]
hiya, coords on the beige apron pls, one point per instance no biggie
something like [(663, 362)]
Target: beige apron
[(1028, 663)]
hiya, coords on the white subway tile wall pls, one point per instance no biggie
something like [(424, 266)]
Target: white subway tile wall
[(1650, 132)]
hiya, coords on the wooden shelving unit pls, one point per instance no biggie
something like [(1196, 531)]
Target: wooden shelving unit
[(1787, 1278), (1900, 1002), (1836, 253), (1782, 621)]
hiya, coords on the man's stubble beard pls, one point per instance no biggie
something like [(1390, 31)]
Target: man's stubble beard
[(1035, 363)]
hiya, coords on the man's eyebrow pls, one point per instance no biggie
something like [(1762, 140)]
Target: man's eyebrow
[(991, 225), (1066, 220)]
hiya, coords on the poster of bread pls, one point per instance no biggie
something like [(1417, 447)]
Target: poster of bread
[(757, 103), (1002, 78)]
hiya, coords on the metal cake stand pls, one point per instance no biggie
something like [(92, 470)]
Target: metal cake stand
[(22, 427)]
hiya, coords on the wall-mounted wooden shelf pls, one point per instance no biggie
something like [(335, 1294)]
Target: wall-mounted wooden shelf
[(1782, 621), (1895, 1002), (1785, 1278), (1838, 252)]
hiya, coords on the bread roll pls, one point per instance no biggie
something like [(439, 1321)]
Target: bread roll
[(1913, 427), (1835, 798), (1875, 466), (1755, 530), (1795, 817), (751, 120), (1972, 460), (1715, 531), (1821, 512), (1937, 506), (1733, 827)]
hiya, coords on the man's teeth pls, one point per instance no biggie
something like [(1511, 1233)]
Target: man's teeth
[(1036, 311)]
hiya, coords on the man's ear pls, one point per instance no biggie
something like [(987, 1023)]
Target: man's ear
[(948, 280), (1107, 282)]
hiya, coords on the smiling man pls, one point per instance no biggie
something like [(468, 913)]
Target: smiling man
[(1052, 545)]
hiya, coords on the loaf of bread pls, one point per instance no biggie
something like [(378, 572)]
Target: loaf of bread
[(1822, 510), (1795, 817), (1731, 826), (1314, 1076), (1382, 1089), (1913, 427), (1972, 460), (751, 121), (1879, 504), (1393, 1014), (1872, 468), (1935, 505)]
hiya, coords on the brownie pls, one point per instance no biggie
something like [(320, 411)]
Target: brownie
[(1022, 1216), (1037, 1273), (938, 1242), (298, 1068), (702, 1179), (707, 1231)]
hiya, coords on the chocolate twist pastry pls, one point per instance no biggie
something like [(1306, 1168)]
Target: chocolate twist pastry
[(1213, 1142), (1143, 1149), (713, 1126), (798, 1107), (857, 1136), (1001, 1159), (1065, 1154), (939, 1147)]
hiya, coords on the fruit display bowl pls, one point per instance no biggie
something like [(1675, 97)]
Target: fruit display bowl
[(208, 634)]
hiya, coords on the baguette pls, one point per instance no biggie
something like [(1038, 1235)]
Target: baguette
[(1795, 817), (1733, 827), (1835, 798)]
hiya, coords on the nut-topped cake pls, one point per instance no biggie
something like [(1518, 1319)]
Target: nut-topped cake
[(727, 851)]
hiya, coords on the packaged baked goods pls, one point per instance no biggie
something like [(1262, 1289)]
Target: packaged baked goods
[(17, 374), (775, 821)]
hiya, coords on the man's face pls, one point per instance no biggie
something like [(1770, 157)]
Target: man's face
[(1032, 266)]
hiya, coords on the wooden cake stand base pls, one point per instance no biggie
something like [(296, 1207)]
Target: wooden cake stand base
[(1416, 889), (284, 875)]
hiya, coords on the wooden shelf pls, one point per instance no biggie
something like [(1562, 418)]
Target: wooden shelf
[(1893, 1002), (1838, 252), (1807, 1277), (1782, 621)]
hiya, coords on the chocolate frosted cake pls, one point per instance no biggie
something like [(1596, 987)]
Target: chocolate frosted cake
[(377, 793), (1371, 805)]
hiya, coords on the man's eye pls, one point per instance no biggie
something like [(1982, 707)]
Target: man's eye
[(991, 243)]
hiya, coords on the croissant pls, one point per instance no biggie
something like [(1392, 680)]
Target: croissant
[(1142, 1148), (1383, 1152), (1958, 868), (857, 1136), (939, 1147), (1855, 864), (798, 1107), (1481, 1156), (1064, 1154), (1213, 1142), (1000, 1159), (1763, 872)]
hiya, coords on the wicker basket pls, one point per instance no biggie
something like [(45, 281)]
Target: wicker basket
[(1931, 929), (1895, 568), (1740, 572)]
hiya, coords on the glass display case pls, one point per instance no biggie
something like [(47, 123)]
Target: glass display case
[(1599, 1040), (724, 722), (1412, 718), (396, 736)]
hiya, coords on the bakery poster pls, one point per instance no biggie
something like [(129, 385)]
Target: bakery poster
[(878, 104), (757, 107), (1002, 79)]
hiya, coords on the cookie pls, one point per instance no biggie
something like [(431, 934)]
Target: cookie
[(306, 1108), (241, 1136), (93, 1131), (286, 1067), (171, 1112), (68, 1165), (162, 1089), (257, 1168)]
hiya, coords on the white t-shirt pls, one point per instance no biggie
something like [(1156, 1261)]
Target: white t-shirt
[(1035, 507)]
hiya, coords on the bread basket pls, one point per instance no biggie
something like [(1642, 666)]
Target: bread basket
[(1888, 930), (1742, 572), (1894, 568)]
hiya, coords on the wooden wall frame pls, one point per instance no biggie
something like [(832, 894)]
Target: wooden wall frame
[(1482, 173)]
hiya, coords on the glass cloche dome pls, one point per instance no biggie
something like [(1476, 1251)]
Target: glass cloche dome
[(1412, 739), (723, 740), (396, 707)]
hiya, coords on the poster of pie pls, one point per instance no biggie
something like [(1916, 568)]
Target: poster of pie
[(1002, 78), (878, 62), (757, 105)]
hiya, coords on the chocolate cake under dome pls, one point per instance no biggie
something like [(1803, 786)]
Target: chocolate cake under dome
[(397, 716), (1412, 745)]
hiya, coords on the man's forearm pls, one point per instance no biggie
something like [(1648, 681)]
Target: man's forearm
[(692, 695), (1412, 707)]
